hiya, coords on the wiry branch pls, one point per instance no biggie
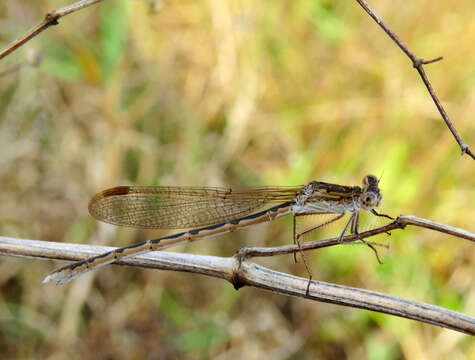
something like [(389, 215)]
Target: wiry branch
[(53, 17), (240, 272), (50, 19), (418, 63)]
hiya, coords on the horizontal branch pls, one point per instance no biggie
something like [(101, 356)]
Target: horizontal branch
[(251, 274), (399, 223)]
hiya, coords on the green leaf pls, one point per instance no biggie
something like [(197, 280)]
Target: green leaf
[(114, 35)]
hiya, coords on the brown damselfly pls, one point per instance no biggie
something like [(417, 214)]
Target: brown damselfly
[(216, 211)]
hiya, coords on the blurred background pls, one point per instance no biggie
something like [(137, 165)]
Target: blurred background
[(234, 93)]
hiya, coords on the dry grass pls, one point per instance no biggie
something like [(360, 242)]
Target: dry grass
[(236, 93)]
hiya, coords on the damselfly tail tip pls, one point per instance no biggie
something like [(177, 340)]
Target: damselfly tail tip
[(47, 279), (59, 277)]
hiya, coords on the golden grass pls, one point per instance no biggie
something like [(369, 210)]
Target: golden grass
[(234, 93)]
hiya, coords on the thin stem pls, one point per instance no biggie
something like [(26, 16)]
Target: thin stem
[(50, 19), (399, 223), (418, 63)]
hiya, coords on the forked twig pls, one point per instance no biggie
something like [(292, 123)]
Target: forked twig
[(418, 64), (50, 19), (251, 274), (399, 223)]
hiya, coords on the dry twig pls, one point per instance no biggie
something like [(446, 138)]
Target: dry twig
[(50, 19), (418, 64), (399, 223), (241, 273)]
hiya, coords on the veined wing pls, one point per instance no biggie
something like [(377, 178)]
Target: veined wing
[(169, 207)]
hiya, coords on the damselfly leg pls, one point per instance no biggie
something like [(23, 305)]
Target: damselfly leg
[(297, 237)]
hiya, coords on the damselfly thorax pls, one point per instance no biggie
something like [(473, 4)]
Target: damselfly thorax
[(215, 211)]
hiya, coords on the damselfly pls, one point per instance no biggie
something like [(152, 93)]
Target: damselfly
[(216, 211)]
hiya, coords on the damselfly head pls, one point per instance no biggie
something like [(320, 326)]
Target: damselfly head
[(370, 195)]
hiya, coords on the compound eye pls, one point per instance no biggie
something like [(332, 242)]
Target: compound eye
[(368, 199)]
